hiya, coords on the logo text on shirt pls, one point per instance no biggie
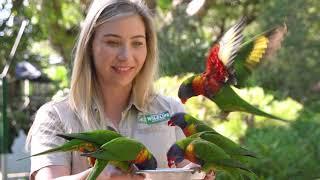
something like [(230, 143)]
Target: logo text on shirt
[(154, 118)]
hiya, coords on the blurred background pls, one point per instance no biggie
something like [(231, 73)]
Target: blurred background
[(286, 84)]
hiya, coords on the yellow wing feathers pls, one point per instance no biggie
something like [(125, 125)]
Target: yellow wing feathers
[(259, 50)]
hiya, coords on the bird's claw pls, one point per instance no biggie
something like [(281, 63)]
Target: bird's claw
[(133, 168), (194, 167)]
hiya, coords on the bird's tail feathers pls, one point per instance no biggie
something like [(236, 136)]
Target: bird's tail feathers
[(233, 164), (98, 167), (41, 153)]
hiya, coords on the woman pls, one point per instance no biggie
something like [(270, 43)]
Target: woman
[(111, 85)]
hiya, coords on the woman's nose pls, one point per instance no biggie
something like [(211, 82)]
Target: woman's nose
[(124, 53)]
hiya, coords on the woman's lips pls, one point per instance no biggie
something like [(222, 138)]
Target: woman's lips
[(122, 69)]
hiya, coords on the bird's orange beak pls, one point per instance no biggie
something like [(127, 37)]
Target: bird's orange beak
[(170, 163), (183, 101), (170, 123)]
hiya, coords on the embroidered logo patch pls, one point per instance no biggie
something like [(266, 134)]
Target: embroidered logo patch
[(154, 118)]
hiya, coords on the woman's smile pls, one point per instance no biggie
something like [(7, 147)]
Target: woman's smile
[(122, 69)]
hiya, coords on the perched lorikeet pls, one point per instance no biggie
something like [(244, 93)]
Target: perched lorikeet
[(195, 128), (208, 155), (188, 124), (216, 81), (254, 51), (97, 137), (85, 142), (123, 150)]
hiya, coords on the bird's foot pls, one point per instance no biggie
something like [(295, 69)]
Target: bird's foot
[(193, 166)]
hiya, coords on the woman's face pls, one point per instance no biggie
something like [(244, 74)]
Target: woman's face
[(119, 50)]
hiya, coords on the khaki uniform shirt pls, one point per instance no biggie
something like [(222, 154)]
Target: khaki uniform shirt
[(149, 127)]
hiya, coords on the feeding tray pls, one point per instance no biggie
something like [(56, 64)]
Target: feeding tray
[(172, 174)]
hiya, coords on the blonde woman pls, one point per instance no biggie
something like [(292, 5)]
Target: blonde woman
[(115, 63)]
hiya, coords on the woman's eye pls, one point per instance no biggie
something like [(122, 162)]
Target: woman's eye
[(137, 44), (113, 43)]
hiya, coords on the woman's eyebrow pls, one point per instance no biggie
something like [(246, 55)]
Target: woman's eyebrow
[(138, 36), (118, 36), (111, 35)]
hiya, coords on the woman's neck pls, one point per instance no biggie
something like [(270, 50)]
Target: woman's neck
[(115, 100)]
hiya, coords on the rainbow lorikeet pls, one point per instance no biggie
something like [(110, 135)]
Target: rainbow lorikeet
[(122, 150), (208, 155), (195, 128), (85, 142), (216, 81)]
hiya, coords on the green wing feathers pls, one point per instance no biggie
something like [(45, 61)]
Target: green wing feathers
[(114, 150), (98, 137)]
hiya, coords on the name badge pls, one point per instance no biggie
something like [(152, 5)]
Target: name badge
[(154, 118)]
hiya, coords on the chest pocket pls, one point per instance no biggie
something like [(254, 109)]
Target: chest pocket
[(153, 122), (149, 128)]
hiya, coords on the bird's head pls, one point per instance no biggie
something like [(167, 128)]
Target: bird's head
[(186, 90), (175, 155), (145, 160), (178, 119)]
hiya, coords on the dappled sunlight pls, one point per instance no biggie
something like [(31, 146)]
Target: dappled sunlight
[(194, 7)]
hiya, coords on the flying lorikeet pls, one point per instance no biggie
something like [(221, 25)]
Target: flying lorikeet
[(216, 81), (208, 155), (195, 128), (123, 150)]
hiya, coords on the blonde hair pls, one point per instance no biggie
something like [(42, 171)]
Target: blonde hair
[(84, 94)]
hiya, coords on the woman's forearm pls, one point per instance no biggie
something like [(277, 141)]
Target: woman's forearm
[(80, 176)]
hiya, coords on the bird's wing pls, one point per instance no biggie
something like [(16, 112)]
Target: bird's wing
[(230, 43), (119, 149), (207, 151)]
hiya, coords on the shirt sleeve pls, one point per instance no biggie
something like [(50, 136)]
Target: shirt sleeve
[(43, 137)]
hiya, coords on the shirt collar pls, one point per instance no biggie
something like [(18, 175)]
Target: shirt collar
[(134, 103)]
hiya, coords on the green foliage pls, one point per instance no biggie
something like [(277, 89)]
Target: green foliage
[(164, 5), (58, 74), (185, 51), (286, 152)]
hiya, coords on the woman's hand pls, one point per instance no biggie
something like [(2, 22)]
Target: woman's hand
[(126, 177), (112, 173), (209, 176)]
